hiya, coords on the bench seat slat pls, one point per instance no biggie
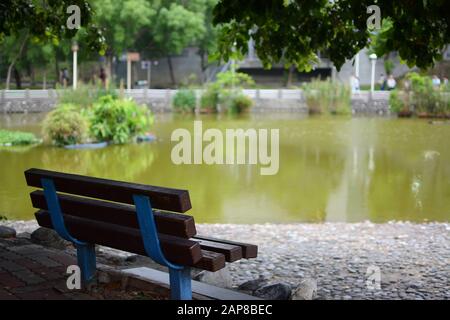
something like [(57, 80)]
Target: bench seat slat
[(179, 225), (211, 261), (177, 250), (232, 253), (161, 198), (248, 250)]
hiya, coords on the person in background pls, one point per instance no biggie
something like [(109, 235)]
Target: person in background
[(445, 81), (382, 82), (102, 77), (391, 83), (436, 81), (354, 83), (65, 77)]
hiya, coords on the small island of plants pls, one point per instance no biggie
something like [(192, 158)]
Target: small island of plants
[(109, 119), (17, 138)]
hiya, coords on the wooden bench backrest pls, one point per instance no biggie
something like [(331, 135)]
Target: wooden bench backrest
[(161, 198)]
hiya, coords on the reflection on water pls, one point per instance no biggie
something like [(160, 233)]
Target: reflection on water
[(331, 169)]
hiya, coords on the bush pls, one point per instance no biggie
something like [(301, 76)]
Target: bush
[(118, 120), (16, 138), (210, 98), (239, 103), (65, 125), (327, 97), (230, 79), (85, 95), (184, 100), (396, 102), (425, 98)]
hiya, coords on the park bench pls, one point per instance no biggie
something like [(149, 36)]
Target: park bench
[(137, 218)]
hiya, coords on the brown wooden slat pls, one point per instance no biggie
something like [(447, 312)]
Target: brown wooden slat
[(211, 261), (179, 225), (232, 253), (177, 250), (248, 250), (161, 198)]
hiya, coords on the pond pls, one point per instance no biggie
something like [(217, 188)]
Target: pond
[(330, 169)]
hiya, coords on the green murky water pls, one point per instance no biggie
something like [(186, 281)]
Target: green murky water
[(331, 169)]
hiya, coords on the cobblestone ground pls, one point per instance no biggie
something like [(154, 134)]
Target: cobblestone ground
[(29, 271), (413, 259)]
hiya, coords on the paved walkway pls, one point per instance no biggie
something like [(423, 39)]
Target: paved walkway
[(32, 272)]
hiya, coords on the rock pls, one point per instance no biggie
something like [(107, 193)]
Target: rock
[(306, 290), (7, 232), (103, 277), (24, 235), (48, 238), (221, 278), (278, 291), (253, 285), (143, 261)]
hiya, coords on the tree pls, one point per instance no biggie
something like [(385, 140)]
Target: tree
[(176, 26), (44, 21), (294, 31), (207, 43), (122, 22)]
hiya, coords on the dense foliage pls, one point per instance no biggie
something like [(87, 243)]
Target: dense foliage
[(327, 97), (118, 120), (15, 138), (46, 20), (420, 96), (238, 103), (65, 125), (184, 100), (295, 31), (210, 98), (85, 95)]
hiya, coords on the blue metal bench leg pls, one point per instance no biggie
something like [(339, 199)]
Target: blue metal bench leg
[(85, 251), (180, 284), (86, 261)]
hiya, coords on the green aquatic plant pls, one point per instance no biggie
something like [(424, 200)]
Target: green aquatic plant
[(118, 120), (17, 138), (65, 125), (184, 100), (327, 97)]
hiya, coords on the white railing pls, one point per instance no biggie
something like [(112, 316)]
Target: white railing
[(269, 94)]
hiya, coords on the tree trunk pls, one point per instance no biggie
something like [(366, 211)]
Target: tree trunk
[(172, 75), (17, 78), (13, 62), (290, 75), (109, 70), (58, 78), (44, 82), (203, 65)]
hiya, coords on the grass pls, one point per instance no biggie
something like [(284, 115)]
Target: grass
[(16, 138)]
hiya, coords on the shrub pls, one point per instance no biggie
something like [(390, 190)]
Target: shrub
[(424, 97), (239, 103), (85, 95), (327, 97), (396, 102), (15, 138), (230, 79), (65, 125), (118, 120), (184, 100), (210, 98)]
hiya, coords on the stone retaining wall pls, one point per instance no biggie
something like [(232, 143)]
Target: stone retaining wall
[(362, 103)]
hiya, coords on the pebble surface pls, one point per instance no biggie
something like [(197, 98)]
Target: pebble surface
[(411, 261)]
